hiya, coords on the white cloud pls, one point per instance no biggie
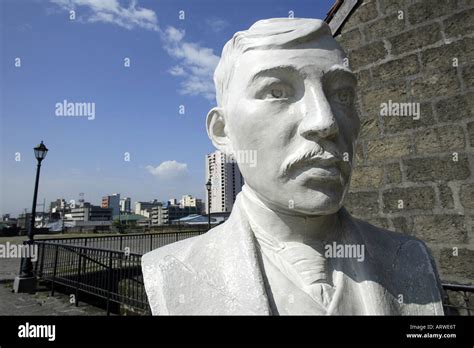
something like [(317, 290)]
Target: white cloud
[(177, 71), (196, 64), (168, 169), (173, 35), (110, 11), (216, 24)]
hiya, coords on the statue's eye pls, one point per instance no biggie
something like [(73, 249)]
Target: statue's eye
[(344, 96), (278, 91)]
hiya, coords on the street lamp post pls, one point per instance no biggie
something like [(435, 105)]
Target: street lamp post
[(26, 282), (208, 187)]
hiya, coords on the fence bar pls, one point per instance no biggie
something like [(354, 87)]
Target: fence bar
[(55, 269)]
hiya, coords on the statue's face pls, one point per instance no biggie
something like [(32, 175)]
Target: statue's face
[(295, 108)]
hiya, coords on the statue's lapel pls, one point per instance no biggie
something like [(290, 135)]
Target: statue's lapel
[(225, 271)]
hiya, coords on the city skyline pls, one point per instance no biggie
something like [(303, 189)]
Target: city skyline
[(119, 94)]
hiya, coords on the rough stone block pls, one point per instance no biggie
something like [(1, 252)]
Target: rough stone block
[(389, 147), (398, 200), (457, 266), (448, 56), (455, 108), (390, 6), (367, 54), (402, 225), (436, 84), (440, 228), (440, 139), (384, 27), (415, 39), (364, 13), (394, 124), (363, 78), (393, 174), (446, 197), (372, 99), (429, 9), (470, 130), (466, 195), (370, 128), (350, 40), (396, 69), (468, 76), (362, 204), (459, 24), (437, 168), (368, 177)]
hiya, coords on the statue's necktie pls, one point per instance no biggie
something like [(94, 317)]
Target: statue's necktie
[(304, 264)]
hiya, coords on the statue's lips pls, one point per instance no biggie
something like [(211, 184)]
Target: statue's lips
[(321, 173), (317, 167)]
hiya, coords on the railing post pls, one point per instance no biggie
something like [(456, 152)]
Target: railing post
[(109, 282), (40, 274), (121, 239), (55, 268), (465, 295), (78, 280), (151, 242)]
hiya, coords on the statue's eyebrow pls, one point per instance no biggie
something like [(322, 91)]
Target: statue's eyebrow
[(274, 72), (340, 71)]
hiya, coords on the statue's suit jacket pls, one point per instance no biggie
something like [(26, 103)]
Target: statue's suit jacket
[(220, 273)]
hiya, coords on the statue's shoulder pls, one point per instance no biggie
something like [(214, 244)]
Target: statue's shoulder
[(181, 249), (397, 251), (384, 239), (173, 261)]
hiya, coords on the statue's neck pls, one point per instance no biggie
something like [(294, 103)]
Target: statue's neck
[(286, 227)]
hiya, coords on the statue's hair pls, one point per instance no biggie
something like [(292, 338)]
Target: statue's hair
[(265, 34)]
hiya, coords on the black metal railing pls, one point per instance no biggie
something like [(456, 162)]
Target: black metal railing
[(113, 276), (138, 243), (106, 267), (458, 301)]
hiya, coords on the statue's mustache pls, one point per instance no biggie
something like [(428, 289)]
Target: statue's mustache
[(317, 154)]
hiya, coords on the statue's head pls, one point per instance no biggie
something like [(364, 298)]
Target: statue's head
[(285, 94)]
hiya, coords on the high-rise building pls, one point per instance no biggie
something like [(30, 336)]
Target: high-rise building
[(112, 202), (226, 180), (125, 205)]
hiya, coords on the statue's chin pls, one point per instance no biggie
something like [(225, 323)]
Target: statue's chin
[(310, 207), (317, 211)]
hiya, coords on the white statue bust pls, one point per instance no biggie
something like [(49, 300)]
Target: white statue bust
[(289, 246)]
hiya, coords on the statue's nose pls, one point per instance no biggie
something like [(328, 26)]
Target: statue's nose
[(318, 120)]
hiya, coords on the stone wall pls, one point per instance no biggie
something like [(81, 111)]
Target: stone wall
[(416, 176)]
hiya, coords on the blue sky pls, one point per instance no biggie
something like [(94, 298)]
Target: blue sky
[(136, 108)]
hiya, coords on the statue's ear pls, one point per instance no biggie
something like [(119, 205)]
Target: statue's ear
[(216, 130)]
